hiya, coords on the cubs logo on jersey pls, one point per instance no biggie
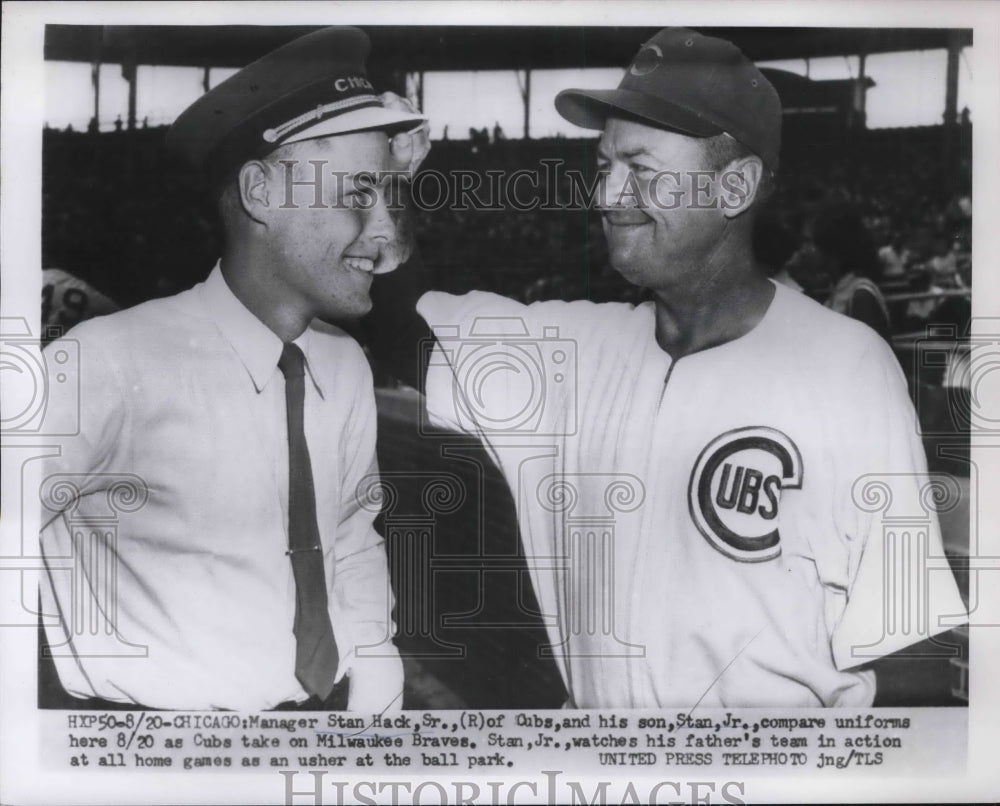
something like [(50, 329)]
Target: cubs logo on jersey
[(735, 491)]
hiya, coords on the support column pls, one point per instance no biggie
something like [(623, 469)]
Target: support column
[(129, 74), (948, 160), (526, 98), (861, 93), (95, 80)]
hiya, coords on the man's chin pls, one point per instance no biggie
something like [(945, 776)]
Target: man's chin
[(346, 315), (630, 273)]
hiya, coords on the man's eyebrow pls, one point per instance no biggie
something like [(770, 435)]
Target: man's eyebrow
[(630, 153), (638, 151)]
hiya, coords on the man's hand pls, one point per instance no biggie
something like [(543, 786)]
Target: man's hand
[(407, 149)]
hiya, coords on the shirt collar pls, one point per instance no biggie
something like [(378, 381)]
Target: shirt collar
[(256, 345)]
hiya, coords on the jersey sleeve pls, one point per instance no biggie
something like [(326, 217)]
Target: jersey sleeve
[(902, 588), (498, 367)]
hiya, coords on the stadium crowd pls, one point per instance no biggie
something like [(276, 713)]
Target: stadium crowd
[(121, 215)]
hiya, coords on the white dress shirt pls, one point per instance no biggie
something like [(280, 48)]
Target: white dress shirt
[(188, 601)]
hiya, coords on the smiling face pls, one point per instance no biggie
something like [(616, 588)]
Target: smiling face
[(665, 212), (327, 224)]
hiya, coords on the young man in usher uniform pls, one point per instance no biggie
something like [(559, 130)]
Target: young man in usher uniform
[(245, 573)]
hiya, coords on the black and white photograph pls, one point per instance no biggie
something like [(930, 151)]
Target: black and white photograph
[(499, 402)]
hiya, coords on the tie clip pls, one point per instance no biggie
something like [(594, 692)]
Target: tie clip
[(290, 552)]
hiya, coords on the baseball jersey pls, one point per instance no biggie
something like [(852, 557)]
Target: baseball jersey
[(715, 530)]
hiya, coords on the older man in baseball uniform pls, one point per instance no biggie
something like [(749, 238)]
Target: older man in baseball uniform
[(697, 477)]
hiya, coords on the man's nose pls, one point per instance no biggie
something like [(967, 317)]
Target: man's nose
[(616, 190), (379, 223)]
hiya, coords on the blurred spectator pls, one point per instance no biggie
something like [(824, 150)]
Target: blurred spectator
[(919, 312), (773, 246), (943, 264), (839, 234), (893, 257)]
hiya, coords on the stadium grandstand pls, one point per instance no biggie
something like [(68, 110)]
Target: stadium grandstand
[(121, 215)]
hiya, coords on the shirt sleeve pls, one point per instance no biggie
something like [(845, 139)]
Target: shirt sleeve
[(499, 368), (362, 594), (85, 412), (902, 588)]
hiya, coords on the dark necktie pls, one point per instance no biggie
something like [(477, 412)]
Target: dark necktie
[(316, 656)]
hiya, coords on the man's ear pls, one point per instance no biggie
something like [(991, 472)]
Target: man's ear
[(740, 184), (253, 189)]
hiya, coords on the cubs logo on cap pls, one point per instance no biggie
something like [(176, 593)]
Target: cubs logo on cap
[(315, 86), (735, 491), (697, 85)]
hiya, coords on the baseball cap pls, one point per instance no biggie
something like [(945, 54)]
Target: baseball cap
[(690, 83), (315, 86)]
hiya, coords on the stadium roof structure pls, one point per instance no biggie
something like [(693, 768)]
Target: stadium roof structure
[(431, 48), (402, 52)]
